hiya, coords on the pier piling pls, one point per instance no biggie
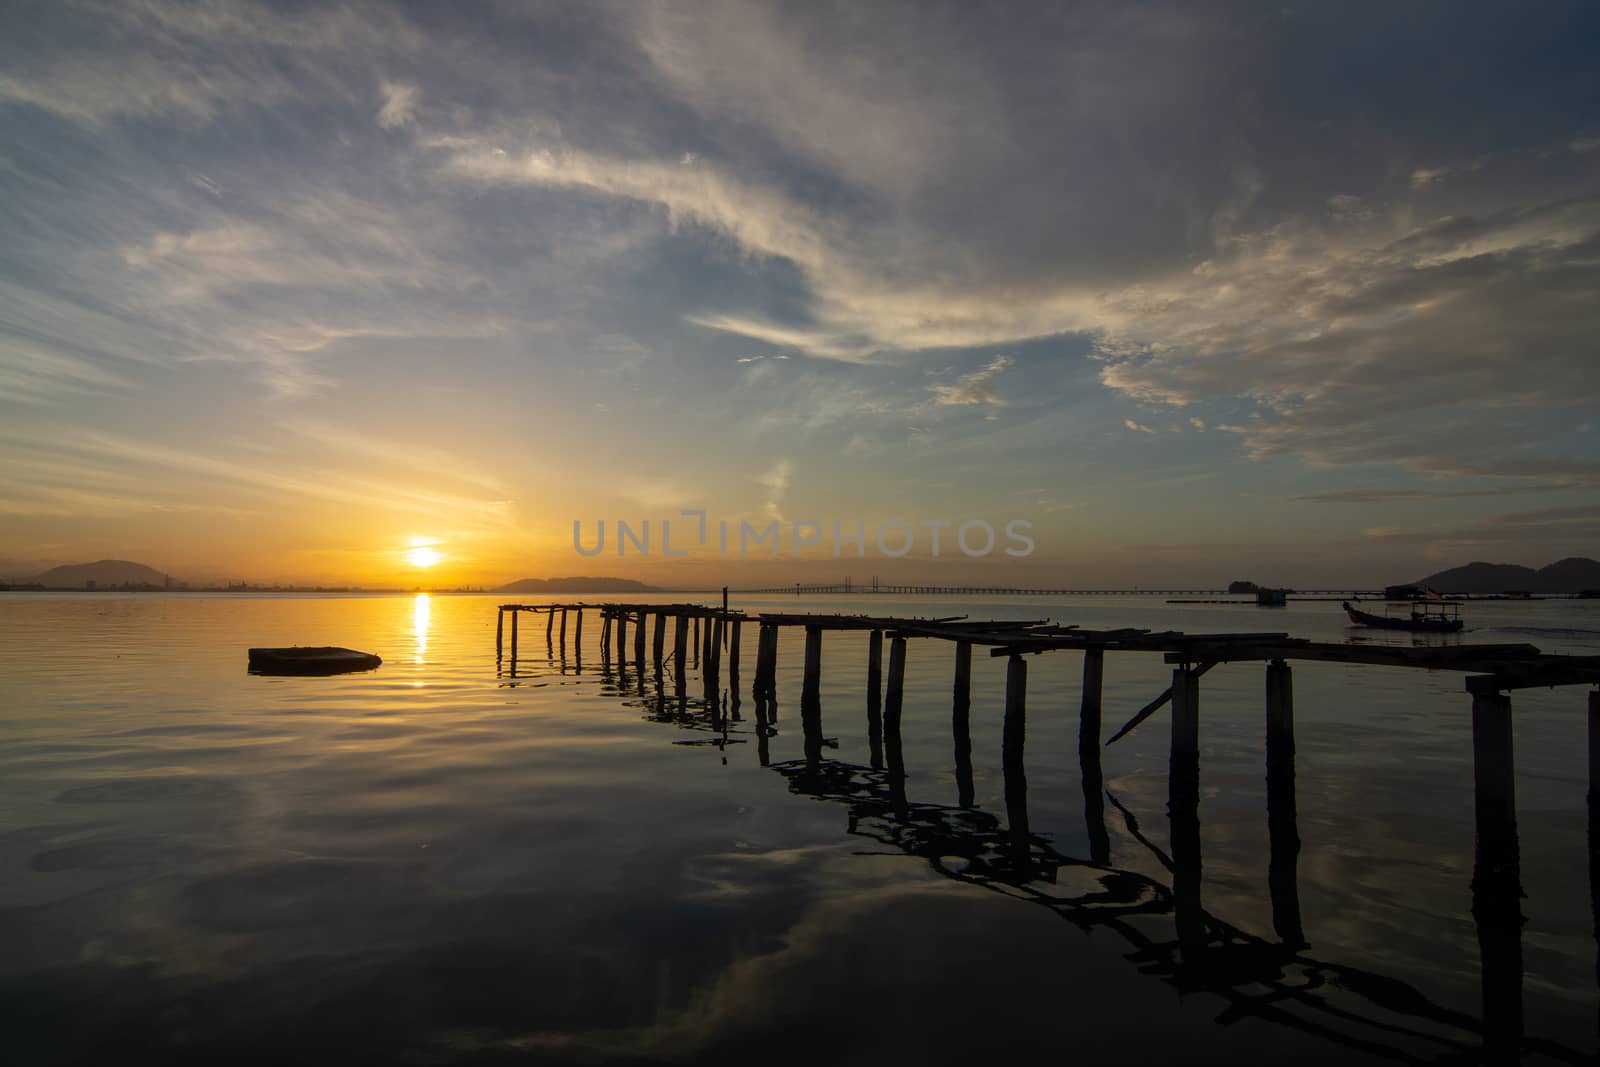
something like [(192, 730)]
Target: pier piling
[(894, 700), (961, 723), (875, 699), (1183, 812), (811, 685), (1283, 832), (1014, 735), (1093, 780), (680, 634), (1496, 871)]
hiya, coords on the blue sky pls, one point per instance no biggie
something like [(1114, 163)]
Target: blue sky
[(1302, 293)]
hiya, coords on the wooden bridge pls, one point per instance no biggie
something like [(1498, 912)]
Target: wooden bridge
[(1491, 673)]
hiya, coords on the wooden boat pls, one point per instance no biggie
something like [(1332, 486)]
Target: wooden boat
[(327, 659), (1424, 616)]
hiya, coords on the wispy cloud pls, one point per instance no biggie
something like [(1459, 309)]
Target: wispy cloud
[(975, 388)]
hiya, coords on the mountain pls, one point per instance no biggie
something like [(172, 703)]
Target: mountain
[(1571, 575), (105, 574), (577, 585)]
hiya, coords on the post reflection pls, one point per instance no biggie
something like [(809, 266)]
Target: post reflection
[(1269, 979)]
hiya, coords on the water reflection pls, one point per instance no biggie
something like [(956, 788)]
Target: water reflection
[(421, 614), (1172, 935)]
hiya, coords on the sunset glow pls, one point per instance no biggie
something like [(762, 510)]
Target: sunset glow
[(1174, 290), (423, 557)]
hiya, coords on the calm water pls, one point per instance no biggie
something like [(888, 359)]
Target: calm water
[(439, 863)]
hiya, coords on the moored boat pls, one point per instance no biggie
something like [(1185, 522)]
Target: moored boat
[(327, 659), (1422, 616)]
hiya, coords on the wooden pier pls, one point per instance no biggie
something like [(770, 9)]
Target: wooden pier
[(1491, 673)]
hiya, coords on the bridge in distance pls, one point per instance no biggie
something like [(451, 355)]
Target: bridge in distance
[(877, 588)]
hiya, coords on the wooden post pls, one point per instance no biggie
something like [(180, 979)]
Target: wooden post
[(893, 703), (499, 631), (766, 685), (680, 634), (549, 624), (758, 687), (622, 639), (734, 626), (577, 635), (1094, 791), (1185, 713), (1494, 785), (1183, 810), (711, 665), (638, 642), (660, 637), (1014, 735), (1283, 831), (1496, 871), (563, 633), (514, 615), (697, 640), (1594, 822), (1094, 671), (811, 687), (811, 696), (875, 698), (961, 723)]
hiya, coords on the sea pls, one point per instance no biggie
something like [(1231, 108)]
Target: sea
[(458, 858)]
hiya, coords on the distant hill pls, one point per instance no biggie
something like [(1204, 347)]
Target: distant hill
[(1567, 576), (106, 573), (577, 585)]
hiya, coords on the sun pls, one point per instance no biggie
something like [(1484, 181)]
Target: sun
[(423, 557)]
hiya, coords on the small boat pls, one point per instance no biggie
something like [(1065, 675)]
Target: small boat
[(319, 661), (1423, 616)]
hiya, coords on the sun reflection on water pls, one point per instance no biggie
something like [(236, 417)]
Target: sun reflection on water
[(421, 612)]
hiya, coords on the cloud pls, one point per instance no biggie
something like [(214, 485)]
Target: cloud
[(1381, 351), (154, 59), (1573, 527), (1423, 177), (1130, 424), (1380, 496), (399, 105), (974, 388), (254, 287), (33, 374), (776, 481)]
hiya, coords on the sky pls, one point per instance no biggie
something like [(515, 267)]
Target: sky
[(1297, 293)]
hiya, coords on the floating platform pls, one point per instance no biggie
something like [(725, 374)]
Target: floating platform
[(324, 660)]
